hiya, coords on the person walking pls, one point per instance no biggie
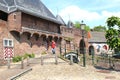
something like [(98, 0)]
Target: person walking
[(53, 46)]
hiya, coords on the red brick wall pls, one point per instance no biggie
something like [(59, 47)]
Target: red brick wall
[(23, 45), (3, 34), (14, 21)]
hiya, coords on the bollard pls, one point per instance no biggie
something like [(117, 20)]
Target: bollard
[(71, 59), (22, 63), (110, 63), (56, 59), (65, 49), (60, 50), (28, 61), (8, 59), (41, 60), (93, 56)]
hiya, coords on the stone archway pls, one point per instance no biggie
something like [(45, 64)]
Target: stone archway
[(91, 50)]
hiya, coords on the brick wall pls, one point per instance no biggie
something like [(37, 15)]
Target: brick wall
[(3, 34), (38, 23), (14, 21)]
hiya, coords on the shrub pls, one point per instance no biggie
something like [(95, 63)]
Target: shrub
[(31, 55), (25, 56), (17, 59)]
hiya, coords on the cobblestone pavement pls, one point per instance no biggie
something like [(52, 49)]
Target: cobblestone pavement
[(64, 71)]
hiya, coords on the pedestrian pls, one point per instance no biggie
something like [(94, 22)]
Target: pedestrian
[(53, 46)]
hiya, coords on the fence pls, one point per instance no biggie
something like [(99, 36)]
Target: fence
[(108, 62)]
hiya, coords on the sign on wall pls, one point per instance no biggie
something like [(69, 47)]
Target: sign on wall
[(8, 48)]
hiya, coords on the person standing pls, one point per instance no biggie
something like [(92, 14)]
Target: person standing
[(53, 46)]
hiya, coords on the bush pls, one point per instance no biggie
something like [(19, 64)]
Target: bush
[(31, 55), (25, 56), (17, 59)]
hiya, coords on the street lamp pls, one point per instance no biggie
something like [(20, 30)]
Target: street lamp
[(82, 25)]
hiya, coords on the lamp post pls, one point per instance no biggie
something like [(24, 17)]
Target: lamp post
[(82, 25)]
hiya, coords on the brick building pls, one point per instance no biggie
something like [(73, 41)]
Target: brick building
[(27, 26), (72, 37)]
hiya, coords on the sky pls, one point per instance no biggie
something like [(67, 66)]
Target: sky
[(92, 12)]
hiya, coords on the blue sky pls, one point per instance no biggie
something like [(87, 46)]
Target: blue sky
[(92, 12)]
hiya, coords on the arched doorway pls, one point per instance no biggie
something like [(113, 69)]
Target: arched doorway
[(82, 46), (91, 50)]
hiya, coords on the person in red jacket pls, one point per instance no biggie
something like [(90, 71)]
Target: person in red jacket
[(53, 46)]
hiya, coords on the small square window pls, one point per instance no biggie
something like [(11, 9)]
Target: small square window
[(7, 42)]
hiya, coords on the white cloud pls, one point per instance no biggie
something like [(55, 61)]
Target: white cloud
[(78, 14), (109, 14)]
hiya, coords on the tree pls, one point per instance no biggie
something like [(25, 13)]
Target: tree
[(77, 25), (99, 28), (113, 35)]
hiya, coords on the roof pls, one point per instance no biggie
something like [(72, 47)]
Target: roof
[(70, 24), (97, 37), (32, 7), (59, 18)]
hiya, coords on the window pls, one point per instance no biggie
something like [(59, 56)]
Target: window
[(14, 16), (7, 42)]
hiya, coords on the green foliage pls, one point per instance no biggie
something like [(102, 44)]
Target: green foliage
[(112, 21), (113, 35), (19, 58), (99, 28), (77, 25), (87, 28), (30, 55)]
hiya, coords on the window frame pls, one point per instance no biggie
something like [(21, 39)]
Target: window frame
[(8, 42)]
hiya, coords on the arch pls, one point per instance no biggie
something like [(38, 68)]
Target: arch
[(15, 34), (55, 38), (36, 36), (82, 46), (91, 49), (28, 34), (50, 38), (60, 39), (44, 37)]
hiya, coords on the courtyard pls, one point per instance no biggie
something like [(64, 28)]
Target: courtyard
[(62, 71)]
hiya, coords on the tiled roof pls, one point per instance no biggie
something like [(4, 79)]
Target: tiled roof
[(97, 37), (32, 7)]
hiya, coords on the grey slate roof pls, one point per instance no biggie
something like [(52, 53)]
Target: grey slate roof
[(32, 7), (97, 37), (59, 18)]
